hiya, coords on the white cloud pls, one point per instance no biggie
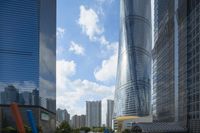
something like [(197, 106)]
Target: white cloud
[(70, 93), (108, 68), (64, 69), (88, 20), (113, 46), (76, 48), (60, 32), (103, 40), (101, 4), (107, 71)]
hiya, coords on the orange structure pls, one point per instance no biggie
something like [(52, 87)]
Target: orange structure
[(17, 117)]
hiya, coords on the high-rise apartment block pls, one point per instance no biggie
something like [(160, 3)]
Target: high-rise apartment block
[(62, 115), (109, 113), (78, 121), (93, 113)]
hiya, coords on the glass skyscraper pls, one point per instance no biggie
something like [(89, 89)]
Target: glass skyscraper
[(132, 94), (189, 25), (165, 62), (176, 63), (28, 59)]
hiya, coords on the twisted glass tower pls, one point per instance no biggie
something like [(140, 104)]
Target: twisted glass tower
[(132, 94)]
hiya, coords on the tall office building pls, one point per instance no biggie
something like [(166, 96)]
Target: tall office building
[(78, 121), (28, 61), (133, 90), (189, 45), (165, 62), (176, 63), (109, 114), (93, 113)]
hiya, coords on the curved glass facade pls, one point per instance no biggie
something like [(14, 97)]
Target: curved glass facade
[(132, 94)]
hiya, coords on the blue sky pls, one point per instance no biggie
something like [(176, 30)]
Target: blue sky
[(87, 45)]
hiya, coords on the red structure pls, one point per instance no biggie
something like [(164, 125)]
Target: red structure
[(17, 117)]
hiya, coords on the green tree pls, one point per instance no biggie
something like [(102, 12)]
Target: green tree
[(86, 129), (77, 130), (98, 129), (126, 131), (64, 127), (9, 129), (27, 129)]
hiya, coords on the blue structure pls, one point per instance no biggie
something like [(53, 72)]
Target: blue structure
[(32, 121), (106, 130), (132, 94)]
